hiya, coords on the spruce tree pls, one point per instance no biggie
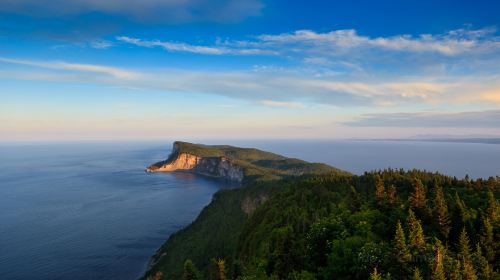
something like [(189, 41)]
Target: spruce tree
[(190, 271), (417, 239), (391, 194), (493, 210), (468, 272), (481, 263), (375, 275), (416, 274), (218, 269), (463, 243), (417, 198), (401, 249), (487, 240), (440, 212), (354, 199), (379, 189), (437, 266)]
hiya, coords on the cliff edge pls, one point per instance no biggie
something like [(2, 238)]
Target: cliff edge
[(234, 163)]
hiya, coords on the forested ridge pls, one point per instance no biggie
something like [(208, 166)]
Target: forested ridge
[(390, 224)]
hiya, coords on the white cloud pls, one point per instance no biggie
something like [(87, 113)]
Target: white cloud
[(319, 47), (101, 44), (276, 90), (183, 47), (282, 104), (60, 65), (452, 43)]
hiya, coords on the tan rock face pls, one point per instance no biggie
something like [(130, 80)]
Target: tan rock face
[(211, 166), (183, 162)]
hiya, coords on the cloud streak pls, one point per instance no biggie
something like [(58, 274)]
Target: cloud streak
[(480, 119), (342, 42), (274, 89), (183, 47), (60, 65)]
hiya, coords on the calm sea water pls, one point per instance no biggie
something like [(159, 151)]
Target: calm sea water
[(89, 211)]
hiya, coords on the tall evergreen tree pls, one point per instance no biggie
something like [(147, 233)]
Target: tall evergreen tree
[(463, 243), (417, 199), (468, 272), (440, 212), (437, 266), (481, 263), (391, 194), (493, 209), (218, 269), (487, 240), (401, 251), (190, 271), (375, 275), (379, 189), (354, 199), (416, 274), (417, 239)]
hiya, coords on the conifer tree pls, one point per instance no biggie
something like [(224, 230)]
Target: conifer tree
[(402, 252), (456, 270), (482, 265), (416, 274), (391, 194), (379, 189), (463, 243), (468, 272), (354, 199), (437, 266), (418, 200), (375, 275), (440, 212), (493, 209), (487, 240), (417, 239), (218, 269), (190, 271)]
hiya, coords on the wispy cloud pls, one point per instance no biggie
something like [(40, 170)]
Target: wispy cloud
[(481, 119), (317, 47), (183, 47), (452, 43), (282, 104), (60, 65), (100, 44), (277, 89)]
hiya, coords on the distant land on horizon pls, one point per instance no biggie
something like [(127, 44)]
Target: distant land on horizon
[(478, 140)]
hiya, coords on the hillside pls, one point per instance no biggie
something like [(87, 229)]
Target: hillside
[(234, 163), (391, 224)]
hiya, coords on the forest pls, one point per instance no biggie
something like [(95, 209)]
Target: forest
[(390, 224)]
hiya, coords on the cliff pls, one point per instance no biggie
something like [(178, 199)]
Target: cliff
[(220, 167), (234, 163)]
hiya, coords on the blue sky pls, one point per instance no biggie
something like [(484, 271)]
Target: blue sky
[(170, 69)]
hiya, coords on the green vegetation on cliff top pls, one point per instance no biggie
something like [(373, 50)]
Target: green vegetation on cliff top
[(256, 164), (391, 224)]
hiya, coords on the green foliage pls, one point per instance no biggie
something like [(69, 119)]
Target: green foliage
[(334, 227), (217, 269), (190, 271)]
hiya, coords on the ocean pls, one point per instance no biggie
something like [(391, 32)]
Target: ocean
[(89, 211)]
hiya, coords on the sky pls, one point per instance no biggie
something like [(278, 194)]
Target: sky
[(248, 69)]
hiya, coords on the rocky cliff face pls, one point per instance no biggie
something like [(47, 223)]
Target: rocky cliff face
[(221, 167)]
